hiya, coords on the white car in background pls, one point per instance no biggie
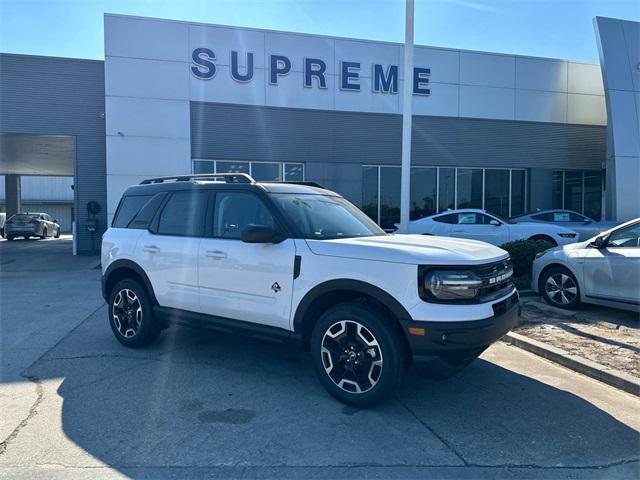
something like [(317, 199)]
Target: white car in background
[(604, 270), (584, 226), (481, 225)]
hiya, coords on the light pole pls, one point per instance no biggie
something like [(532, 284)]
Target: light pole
[(407, 98)]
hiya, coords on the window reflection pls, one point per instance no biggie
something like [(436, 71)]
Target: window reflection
[(469, 187), (424, 185), (497, 192)]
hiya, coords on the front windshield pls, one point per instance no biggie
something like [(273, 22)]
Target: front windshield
[(324, 217)]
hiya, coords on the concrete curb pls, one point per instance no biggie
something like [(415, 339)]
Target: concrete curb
[(612, 377)]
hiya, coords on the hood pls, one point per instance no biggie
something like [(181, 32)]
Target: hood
[(411, 249)]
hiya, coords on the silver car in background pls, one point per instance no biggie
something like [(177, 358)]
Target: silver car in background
[(584, 226), (31, 225), (604, 270), (3, 219)]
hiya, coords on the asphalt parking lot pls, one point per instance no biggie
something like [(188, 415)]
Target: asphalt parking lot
[(77, 404)]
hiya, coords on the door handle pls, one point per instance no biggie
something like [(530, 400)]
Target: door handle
[(457, 231), (216, 254), (151, 249)]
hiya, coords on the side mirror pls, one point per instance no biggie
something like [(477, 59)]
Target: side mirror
[(599, 242), (253, 233), (56, 221), (495, 223)]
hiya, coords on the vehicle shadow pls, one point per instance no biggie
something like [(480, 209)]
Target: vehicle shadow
[(213, 399)]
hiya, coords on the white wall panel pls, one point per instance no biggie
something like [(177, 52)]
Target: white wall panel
[(443, 101), (371, 102), (147, 117), (444, 64), (148, 156), (586, 109), (487, 102), (537, 106), (584, 78), (146, 38), (367, 53), (290, 93), (223, 88), (131, 77), (487, 70), (222, 41), (297, 47), (625, 126), (541, 74)]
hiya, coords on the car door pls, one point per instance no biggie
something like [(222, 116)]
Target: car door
[(613, 272), (168, 250), (477, 226), (251, 282)]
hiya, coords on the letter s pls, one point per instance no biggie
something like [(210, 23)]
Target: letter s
[(204, 68)]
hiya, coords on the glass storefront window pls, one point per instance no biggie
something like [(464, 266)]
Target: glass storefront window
[(389, 197), (518, 188), (446, 188), (370, 192), (593, 194), (232, 167), (266, 172), (204, 166), (573, 190), (434, 189), (557, 182), (496, 188), (293, 172), (424, 188), (469, 187)]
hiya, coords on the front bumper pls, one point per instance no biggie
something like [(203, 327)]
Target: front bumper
[(461, 338)]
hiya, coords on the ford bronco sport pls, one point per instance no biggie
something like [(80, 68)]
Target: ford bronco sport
[(301, 263)]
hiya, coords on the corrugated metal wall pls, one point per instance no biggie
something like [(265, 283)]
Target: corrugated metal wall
[(45, 95), (334, 145)]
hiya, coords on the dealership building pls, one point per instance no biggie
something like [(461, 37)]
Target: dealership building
[(506, 133)]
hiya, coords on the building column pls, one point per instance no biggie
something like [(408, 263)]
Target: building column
[(12, 194)]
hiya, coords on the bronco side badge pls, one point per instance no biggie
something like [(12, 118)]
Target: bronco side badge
[(275, 287)]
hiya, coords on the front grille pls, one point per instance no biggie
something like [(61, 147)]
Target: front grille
[(500, 307), (495, 276)]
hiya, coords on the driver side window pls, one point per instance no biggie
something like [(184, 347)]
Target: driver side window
[(628, 237), (235, 210)]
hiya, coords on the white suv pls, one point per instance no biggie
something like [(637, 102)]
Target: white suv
[(298, 262)]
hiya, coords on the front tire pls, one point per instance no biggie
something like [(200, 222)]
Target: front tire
[(131, 315), (358, 353), (44, 234), (560, 288), (57, 235)]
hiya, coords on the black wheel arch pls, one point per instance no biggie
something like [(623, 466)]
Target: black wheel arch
[(121, 269), (331, 292)]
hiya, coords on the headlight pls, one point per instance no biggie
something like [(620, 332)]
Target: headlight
[(539, 254), (567, 235), (452, 285)]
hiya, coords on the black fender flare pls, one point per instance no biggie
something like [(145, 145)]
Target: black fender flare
[(129, 265), (394, 306)]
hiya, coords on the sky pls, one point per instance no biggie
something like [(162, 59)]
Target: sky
[(546, 28)]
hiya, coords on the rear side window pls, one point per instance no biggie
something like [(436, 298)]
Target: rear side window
[(147, 212), (129, 208), (543, 217), (451, 218), (184, 214)]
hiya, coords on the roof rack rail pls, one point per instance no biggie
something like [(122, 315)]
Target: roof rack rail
[(308, 184), (228, 178)]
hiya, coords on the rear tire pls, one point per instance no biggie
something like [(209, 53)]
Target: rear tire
[(359, 354), (131, 315), (9, 238), (560, 288)]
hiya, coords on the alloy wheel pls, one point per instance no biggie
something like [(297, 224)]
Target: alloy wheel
[(351, 356), (127, 313), (561, 288)]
